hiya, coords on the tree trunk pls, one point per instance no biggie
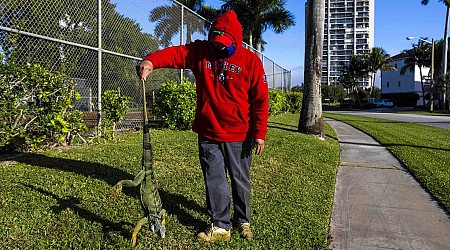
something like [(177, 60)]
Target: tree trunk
[(372, 82), (421, 84), (311, 118)]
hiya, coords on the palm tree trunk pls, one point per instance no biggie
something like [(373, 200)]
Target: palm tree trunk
[(421, 83), (311, 118), (372, 82)]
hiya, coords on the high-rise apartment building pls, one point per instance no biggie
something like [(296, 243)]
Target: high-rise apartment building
[(348, 30)]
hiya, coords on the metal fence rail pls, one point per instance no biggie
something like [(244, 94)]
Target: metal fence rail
[(98, 43)]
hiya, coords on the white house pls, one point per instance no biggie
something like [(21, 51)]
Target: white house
[(400, 87)]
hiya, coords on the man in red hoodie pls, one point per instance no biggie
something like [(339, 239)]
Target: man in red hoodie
[(230, 119)]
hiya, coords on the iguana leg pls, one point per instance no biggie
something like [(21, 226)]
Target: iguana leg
[(128, 183), (136, 230)]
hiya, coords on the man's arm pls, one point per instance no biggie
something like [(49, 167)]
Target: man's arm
[(171, 57), (260, 107)]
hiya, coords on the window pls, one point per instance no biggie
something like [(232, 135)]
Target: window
[(387, 84), (399, 84)]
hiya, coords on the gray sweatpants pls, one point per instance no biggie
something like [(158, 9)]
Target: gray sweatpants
[(216, 158)]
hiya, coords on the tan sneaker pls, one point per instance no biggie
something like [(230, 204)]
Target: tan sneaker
[(245, 231), (214, 234)]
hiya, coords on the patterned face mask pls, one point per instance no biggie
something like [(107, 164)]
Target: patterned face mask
[(226, 52)]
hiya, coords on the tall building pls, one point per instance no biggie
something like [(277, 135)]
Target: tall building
[(349, 30)]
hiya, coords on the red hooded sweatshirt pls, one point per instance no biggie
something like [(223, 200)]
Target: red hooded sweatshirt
[(232, 93)]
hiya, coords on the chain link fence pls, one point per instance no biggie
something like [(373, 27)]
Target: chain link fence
[(98, 43)]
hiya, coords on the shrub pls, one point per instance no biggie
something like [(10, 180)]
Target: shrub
[(277, 102), (36, 108), (294, 101), (115, 107), (177, 104)]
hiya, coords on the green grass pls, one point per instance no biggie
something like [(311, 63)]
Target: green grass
[(61, 199), (423, 149)]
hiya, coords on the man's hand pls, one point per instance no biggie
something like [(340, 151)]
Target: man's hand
[(258, 144), (144, 69)]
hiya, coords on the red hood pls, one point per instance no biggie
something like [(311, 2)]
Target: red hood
[(228, 23)]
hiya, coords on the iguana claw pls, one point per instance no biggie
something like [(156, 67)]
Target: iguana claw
[(157, 225)]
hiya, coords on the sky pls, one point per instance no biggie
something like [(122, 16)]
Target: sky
[(394, 21)]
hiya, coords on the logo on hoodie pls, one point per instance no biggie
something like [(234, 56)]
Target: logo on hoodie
[(223, 66)]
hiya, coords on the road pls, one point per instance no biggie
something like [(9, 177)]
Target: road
[(440, 121)]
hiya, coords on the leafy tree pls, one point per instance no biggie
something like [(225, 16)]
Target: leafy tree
[(376, 59), (419, 56), (257, 16), (333, 92), (311, 118)]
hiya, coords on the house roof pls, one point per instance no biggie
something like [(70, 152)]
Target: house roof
[(399, 56)]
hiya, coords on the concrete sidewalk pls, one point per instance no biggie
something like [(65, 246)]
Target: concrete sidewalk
[(377, 203)]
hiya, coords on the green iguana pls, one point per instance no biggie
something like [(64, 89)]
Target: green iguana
[(149, 196)]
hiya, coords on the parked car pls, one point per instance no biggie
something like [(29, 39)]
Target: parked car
[(385, 103), (381, 102)]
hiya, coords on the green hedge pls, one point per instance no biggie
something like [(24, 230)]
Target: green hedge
[(176, 105), (281, 102)]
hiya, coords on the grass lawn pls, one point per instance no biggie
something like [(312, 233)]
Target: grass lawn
[(61, 199), (423, 149)]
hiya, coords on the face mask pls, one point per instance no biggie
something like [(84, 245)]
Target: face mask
[(226, 52)]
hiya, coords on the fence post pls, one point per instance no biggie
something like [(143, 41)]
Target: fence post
[(181, 37), (99, 66), (90, 100), (273, 75)]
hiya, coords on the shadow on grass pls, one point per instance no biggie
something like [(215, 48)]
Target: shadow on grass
[(72, 203), (285, 127), (174, 203), (178, 205), (89, 169)]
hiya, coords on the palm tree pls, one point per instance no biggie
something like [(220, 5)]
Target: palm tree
[(418, 56), (311, 118), (376, 59), (352, 72), (257, 16), (168, 19)]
